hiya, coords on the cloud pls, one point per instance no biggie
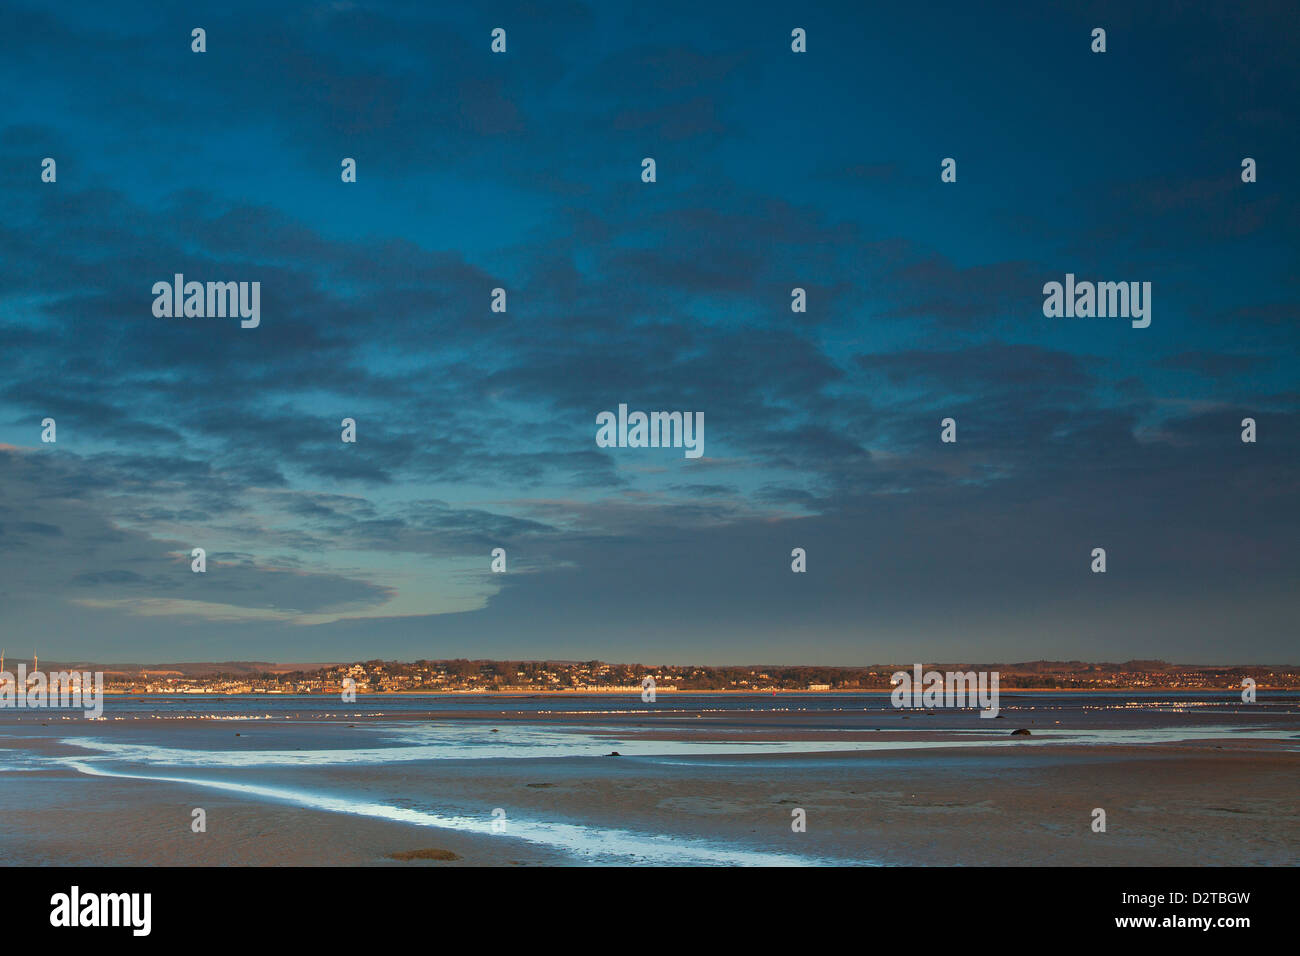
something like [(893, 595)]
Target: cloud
[(476, 429)]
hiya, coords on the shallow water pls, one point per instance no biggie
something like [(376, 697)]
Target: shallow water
[(305, 753)]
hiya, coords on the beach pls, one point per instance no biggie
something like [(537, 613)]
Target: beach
[(1191, 779)]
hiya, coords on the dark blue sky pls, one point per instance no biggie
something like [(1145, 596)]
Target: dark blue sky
[(476, 430)]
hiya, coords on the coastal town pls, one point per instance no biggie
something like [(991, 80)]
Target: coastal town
[(589, 677)]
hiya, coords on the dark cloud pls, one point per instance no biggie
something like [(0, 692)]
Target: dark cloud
[(476, 429)]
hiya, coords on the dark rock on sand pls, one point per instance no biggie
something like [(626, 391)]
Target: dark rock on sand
[(432, 853)]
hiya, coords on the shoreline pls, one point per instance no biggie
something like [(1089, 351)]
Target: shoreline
[(604, 783), (1167, 804), (523, 694)]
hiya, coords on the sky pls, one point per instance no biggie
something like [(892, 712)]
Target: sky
[(476, 429)]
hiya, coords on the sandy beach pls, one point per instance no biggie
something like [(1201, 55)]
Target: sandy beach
[(691, 785)]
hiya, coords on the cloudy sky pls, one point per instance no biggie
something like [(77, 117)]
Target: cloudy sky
[(476, 429)]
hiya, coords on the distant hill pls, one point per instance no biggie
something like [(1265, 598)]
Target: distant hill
[(244, 668)]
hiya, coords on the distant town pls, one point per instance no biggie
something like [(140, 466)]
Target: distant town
[(527, 677)]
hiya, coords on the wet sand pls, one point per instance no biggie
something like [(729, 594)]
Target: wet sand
[(972, 797)]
